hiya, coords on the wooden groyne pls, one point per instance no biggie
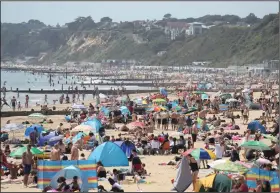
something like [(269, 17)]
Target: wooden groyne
[(105, 91), (110, 92), (141, 84), (26, 113)]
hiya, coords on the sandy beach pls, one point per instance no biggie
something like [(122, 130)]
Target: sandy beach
[(161, 175)]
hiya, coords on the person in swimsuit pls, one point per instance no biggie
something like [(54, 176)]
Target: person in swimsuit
[(27, 162), (194, 168), (101, 171)]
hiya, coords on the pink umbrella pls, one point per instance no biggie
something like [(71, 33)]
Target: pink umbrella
[(137, 124), (263, 161)]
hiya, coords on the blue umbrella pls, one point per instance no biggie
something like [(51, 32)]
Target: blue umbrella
[(31, 129), (94, 123), (256, 125), (124, 110), (77, 137), (105, 111)]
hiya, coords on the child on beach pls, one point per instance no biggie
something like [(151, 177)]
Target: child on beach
[(75, 184)]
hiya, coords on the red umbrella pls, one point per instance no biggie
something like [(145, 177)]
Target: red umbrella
[(137, 124)]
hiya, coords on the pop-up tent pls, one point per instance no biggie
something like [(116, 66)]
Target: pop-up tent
[(214, 183), (46, 138), (126, 146), (255, 126), (68, 173), (110, 154)]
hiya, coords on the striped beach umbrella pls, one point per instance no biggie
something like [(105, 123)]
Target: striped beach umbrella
[(200, 153)]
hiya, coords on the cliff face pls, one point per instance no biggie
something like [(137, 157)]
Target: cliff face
[(84, 40)]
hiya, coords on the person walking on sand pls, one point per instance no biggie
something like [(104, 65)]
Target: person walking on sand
[(4, 102), (27, 162)]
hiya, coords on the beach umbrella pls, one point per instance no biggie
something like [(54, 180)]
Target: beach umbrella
[(177, 108), (95, 124), (226, 96), (77, 137), (200, 153), (270, 137), (136, 124), (256, 145), (31, 128), (12, 127), (231, 100), (159, 100), (37, 116), (229, 166), (124, 110), (262, 161), (102, 96), (246, 90), (83, 128), (18, 152), (77, 106)]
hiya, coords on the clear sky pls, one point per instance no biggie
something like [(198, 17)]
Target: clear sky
[(62, 12)]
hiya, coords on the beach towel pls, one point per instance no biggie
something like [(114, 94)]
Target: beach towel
[(184, 176)]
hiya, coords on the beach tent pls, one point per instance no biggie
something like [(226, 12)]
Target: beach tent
[(94, 123), (110, 154), (68, 173), (30, 129), (214, 183), (126, 146), (77, 137), (46, 138), (256, 125)]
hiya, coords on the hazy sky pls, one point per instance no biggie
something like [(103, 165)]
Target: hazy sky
[(63, 12)]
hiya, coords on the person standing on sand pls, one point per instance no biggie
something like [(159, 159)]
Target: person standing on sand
[(27, 162), (75, 152), (46, 99), (14, 103), (26, 101), (55, 153)]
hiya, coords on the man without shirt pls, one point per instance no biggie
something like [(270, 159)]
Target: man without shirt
[(27, 162)]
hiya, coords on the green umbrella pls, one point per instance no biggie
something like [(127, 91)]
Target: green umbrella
[(256, 145), (271, 137), (37, 116), (226, 96), (159, 100), (229, 166), (21, 150)]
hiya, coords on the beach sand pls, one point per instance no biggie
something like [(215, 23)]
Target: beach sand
[(161, 175)]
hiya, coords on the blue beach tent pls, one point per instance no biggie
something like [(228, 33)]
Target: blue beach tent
[(110, 154), (256, 125), (68, 173), (126, 146), (94, 123)]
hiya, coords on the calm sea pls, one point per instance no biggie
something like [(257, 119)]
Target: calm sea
[(26, 80)]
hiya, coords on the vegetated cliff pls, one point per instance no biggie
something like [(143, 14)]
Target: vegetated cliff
[(85, 40)]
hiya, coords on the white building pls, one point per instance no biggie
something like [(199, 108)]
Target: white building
[(194, 29), (173, 29)]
